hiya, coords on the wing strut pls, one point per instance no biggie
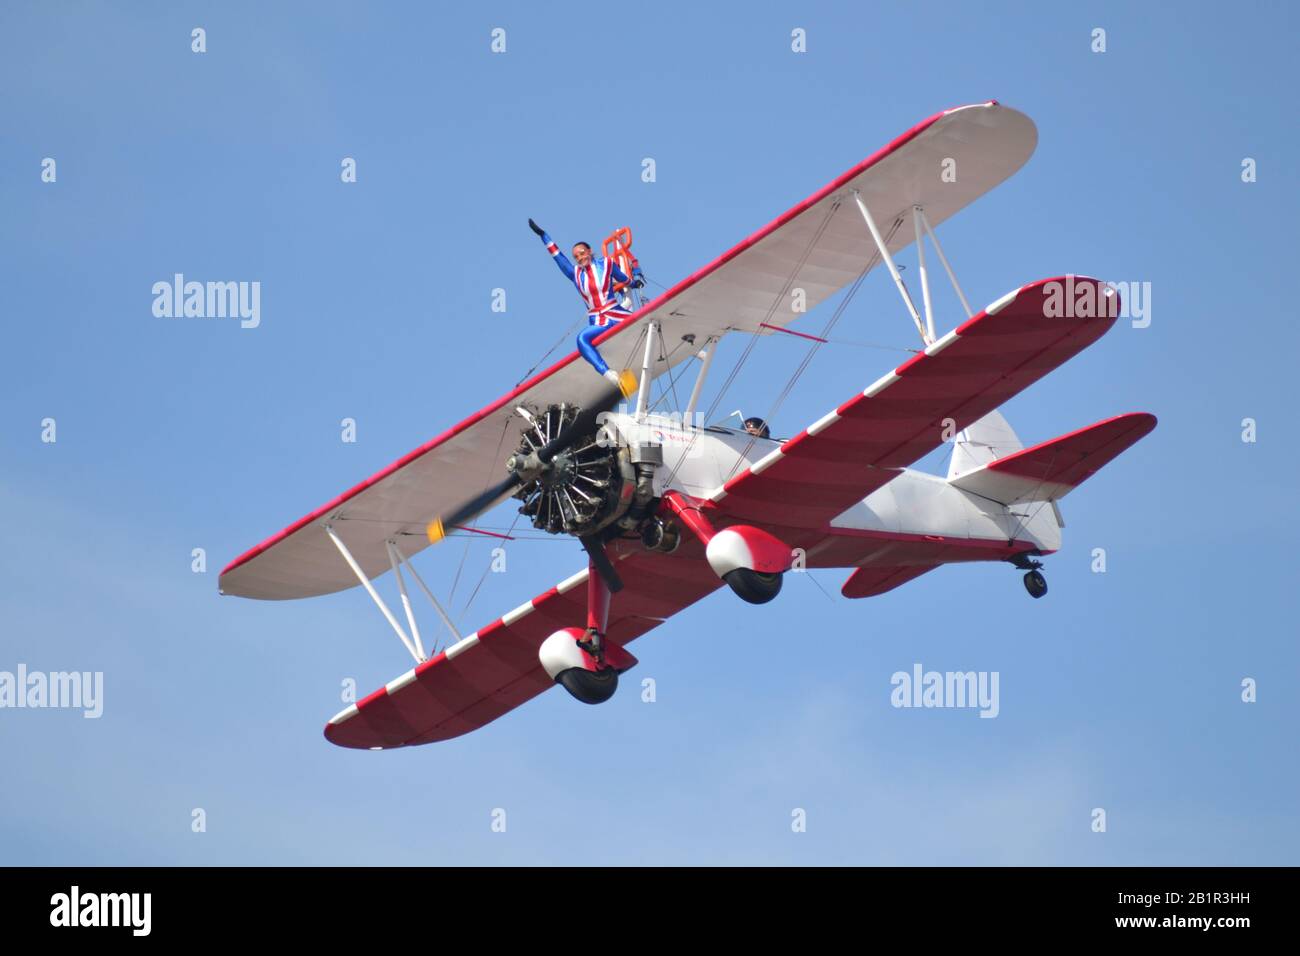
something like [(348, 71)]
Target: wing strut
[(926, 338), (710, 348), (920, 229), (925, 276), (965, 304), (643, 394), (406, 600), (365, 581), (437, 606), (396, 561)]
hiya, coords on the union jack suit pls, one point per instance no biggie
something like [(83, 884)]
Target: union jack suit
[(595, 283)]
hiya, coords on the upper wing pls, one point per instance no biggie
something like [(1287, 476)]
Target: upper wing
[(1052, 469), (822, 244), (819, 246), (496, 669), (840, 459)]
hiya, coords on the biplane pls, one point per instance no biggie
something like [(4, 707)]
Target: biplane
[(669, 509)]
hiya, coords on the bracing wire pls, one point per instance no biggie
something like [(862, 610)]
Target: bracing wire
[(815, 346), (753, 341)]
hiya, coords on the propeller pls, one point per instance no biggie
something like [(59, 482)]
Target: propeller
[(595, 549), (525, 468)]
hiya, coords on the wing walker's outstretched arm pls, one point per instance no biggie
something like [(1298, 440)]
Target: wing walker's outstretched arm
[(636, 279), (560, 258)]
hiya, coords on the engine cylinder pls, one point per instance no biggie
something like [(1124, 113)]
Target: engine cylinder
[(583, 488)]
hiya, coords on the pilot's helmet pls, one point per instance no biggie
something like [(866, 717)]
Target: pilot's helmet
[(756, 426)]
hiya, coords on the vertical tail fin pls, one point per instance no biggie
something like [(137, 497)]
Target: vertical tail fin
[(982, 442)]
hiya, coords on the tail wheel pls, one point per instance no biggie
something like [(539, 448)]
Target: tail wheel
[(1035, 584), (753, 586), (590, 687)]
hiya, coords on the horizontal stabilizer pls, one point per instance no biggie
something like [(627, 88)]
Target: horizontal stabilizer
[(870, 581), (1051, 470)]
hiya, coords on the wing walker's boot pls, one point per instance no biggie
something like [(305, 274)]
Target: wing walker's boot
[(625, 381)]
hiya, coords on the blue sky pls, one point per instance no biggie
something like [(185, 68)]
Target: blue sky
[(1119, 690)]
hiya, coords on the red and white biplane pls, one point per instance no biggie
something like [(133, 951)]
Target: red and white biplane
[(670, 511)]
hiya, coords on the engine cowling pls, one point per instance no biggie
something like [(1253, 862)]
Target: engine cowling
[(583, 488)]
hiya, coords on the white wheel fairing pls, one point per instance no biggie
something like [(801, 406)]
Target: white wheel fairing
[(744, 546), (575, 670), (560, 652)]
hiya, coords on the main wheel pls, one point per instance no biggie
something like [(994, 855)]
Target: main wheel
[(1035, 584), (753, 586), (590, 687)]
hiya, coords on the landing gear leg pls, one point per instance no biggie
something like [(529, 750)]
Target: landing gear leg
[(593, 643), (598, 598), (583, 662)]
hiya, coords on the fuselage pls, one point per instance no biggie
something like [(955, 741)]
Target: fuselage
[(914, 517)]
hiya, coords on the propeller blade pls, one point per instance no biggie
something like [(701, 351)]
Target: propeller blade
[(584, 424), (437, 528), (595, 548)]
